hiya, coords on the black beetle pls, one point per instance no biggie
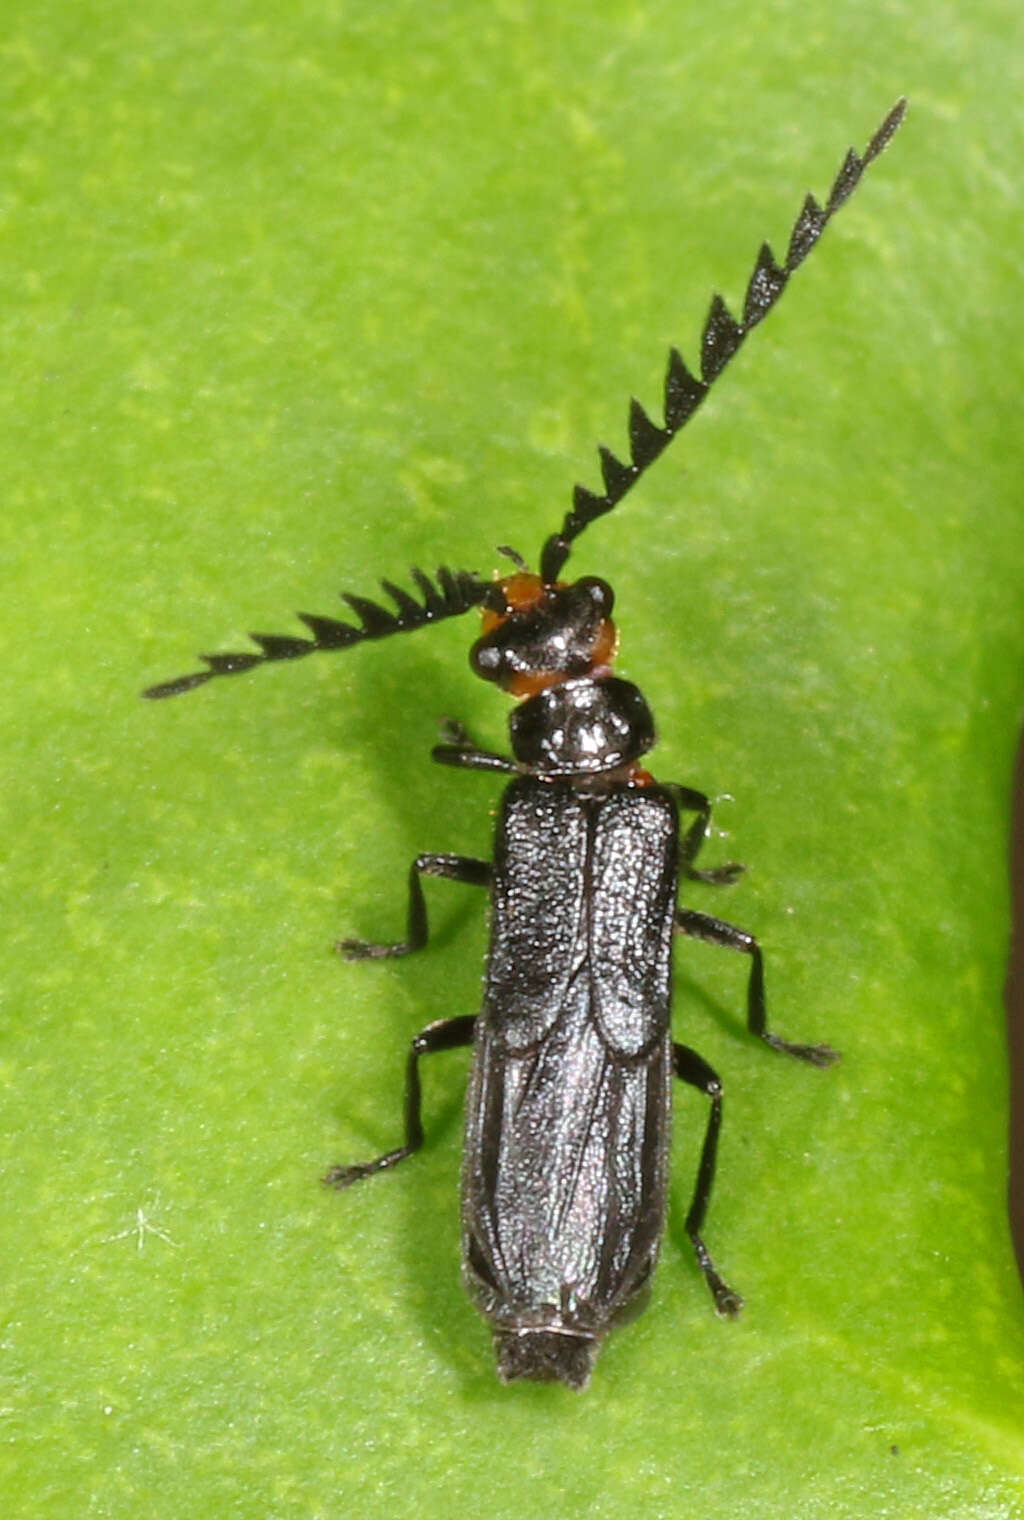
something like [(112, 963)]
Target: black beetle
[(567, 1130)]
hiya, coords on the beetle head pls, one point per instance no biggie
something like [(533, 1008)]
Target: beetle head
[(536, 635)]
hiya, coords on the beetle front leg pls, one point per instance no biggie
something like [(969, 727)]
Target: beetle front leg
[(692, 1068), (715, 932), (696, 802), (446, 1034), (476, 873), (458, 749)]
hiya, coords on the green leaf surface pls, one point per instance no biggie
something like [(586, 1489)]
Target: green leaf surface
[(294, 299)]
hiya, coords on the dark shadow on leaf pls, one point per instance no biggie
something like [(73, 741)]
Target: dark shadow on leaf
[(388, 709)]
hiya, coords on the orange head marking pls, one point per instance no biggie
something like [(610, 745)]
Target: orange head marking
[(522, 591)]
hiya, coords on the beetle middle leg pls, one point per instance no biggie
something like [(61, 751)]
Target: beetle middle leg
[(716, 932), (692, 1068), (445, 1034), (476, 873)]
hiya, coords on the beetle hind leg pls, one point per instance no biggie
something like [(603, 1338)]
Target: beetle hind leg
[(446, 1034), (691, 1068)]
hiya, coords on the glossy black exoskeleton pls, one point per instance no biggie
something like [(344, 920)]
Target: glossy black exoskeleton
[(567, 1129)]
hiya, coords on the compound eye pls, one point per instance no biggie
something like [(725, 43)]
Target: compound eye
[(599, 592), (487, 660)]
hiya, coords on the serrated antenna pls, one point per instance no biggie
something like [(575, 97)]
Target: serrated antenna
[(722, 337), (449, 594)]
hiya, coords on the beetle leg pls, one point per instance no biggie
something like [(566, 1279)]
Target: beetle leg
[(455, 733), (697, 802), (458, 749), (715, 932), (445, 1034), (477, 873), (692, 1068), (466, 757)]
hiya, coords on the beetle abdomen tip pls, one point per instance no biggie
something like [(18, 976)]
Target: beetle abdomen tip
[(545, 1356)]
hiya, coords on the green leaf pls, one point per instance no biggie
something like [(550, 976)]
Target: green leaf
[(297, 299)]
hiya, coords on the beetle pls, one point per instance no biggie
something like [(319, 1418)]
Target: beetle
[(564, 1177)]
